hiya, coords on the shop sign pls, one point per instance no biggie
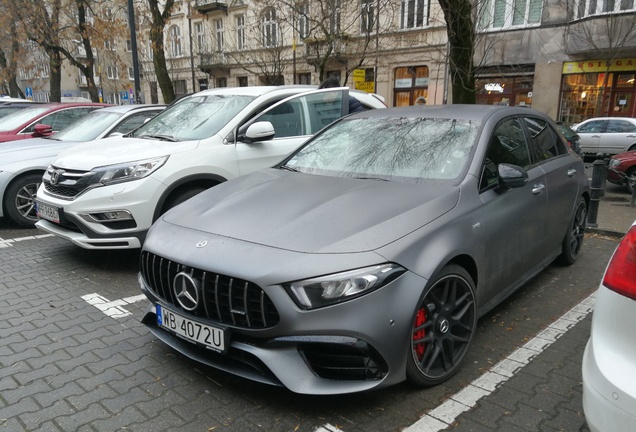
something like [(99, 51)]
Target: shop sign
[(421, 82), (496, 87), (588, 66), (403, 82)]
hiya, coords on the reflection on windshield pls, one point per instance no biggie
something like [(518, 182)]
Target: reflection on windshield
[(195, 118), (17, 119), (87, 128), (400, 149)]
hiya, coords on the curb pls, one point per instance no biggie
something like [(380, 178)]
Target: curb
[(605, 232)]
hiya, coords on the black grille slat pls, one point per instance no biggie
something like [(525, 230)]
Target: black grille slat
[(224, 299)]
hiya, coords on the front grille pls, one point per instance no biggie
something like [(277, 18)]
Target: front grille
[(68, 184), (224, 299), (62, 191)]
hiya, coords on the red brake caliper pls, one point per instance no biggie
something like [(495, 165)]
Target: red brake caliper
[(419, 348)]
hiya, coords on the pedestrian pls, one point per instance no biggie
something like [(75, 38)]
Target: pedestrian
[(420, 101), (354, 105)]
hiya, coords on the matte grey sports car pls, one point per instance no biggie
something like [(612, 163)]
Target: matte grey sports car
[(366, 257)]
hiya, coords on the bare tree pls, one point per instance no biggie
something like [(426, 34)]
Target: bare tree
[(9, 54), (158, 21)]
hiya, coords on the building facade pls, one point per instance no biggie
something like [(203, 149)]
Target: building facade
[(572, 59)]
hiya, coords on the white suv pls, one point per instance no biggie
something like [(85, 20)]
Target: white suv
[(107, 195)]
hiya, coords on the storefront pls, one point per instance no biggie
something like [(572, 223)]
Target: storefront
[(410, 86), (505, 85), (595, 88)]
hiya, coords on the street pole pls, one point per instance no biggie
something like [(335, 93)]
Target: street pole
[(135, 54), (191, 50)]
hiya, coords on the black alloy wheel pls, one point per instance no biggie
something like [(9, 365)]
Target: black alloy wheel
[(20, 200), (573, 241), (443, 328)]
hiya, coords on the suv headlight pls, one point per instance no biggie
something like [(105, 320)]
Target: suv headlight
[(127, 171), (339, 287)]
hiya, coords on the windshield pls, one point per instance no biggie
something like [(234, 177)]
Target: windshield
[(17, 119), (87, 128), (390, 148), (194, 118)]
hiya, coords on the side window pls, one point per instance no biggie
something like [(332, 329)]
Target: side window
[(592, 127), (545, 143), (60, 119), (620, 126), (287, 119), (507, 145), (133, 122)]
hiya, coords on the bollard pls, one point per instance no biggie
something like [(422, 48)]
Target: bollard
[(599, 175), (632, 184)]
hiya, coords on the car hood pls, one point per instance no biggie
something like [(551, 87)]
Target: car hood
[(625, 157), (314, 214), (110, 151), (24, 150)]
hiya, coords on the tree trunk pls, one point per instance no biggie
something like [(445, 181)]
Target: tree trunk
[(55, 82), (461, 39), (158, 54)]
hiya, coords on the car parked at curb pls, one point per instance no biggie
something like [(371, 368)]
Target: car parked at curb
[(609, 135), (365, 258), (609, 360), (43, 119), (622, 170), (573, 139), (107, 197), (23, 162)]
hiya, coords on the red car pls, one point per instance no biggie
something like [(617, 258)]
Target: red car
[(43, 119), (622, 167)]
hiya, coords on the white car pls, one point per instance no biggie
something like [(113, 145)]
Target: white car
[(609, 361), (22, 162), (610, 135), (108, 197)]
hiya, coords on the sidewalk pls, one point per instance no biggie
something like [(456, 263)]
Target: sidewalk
[(615, 214)]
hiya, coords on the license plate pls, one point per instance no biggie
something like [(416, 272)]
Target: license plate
[(194, 331), (47, 212)]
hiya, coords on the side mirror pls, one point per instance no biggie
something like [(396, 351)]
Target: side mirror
[(42, 130), (259, 131), (511, 176)]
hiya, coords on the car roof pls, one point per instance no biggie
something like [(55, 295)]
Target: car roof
[(630, 119), (253, 90), (127, 108), (465, 112)]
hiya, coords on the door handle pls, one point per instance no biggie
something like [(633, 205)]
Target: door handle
[(596, 136), (538, 189), (571, 172)]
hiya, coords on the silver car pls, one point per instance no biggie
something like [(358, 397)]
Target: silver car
[(609, 361), (23, 162), (366, 257), (610, 135)]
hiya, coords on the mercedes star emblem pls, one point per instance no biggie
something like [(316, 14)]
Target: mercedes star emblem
[(186, 291)]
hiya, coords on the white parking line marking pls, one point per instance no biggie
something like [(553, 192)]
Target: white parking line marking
[(328, 428), (443, 416), (113, 308), (9, 242)]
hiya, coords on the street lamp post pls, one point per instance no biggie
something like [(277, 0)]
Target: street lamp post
[(135, 55)]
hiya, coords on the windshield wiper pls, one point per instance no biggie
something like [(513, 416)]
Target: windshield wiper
[(288, 168), (160, 137)]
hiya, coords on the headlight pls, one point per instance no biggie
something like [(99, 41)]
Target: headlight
[(614, 163), (339, 287), (128, 171)]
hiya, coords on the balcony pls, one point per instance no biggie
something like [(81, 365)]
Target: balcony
[(336, 49), (207, 6), (215, 63)]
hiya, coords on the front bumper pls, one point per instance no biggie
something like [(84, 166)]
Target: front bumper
[(354, 346), (82, 221)]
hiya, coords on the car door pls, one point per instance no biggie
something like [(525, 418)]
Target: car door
[(563, 178), (590, 134), (513, 220), (618, 137), (295, 120)]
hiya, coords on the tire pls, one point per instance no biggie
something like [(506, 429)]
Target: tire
[(442, 329), (19, 200), (628, 184), (573, 240), (180, 196)]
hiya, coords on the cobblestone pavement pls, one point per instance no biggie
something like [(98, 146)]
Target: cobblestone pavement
[(68, 364)]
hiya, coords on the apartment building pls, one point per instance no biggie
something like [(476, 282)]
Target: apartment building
[(572, 59)]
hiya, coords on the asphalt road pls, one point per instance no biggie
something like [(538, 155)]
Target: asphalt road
[(73, 356)]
